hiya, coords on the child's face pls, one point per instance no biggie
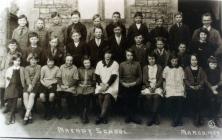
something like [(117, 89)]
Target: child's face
[(159, 44), (182, 48), (212, 66), (50, 63), (40, 24), (76, 37), (203, 36), (129, 56), (17, 62), (56, 20), (159, 22), (33, 61), (151, 60), (138, 39), (12, 48), (206, 20), (69, 60), (174, 62), (54, 42), (22, 22), (193, 61), (33, 40), (98, 33), (138, 19), (97, 21), (108, 56), (75, 18), (178, 18), (87, 64), (116, 18), (117, 31)]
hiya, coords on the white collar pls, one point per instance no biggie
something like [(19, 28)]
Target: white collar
[(34, 46), (194, 68), (208, 28), (138, 25), (154, 66), (15, 67), (76, 44)]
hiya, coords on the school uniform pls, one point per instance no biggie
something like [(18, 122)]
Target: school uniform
[(32, 77), (43, 37), (34, 50), (133, 29), (179, 33), (141, 53), (90, 34), (118, 46), (20, 34), (77, 50), (194, 77), (184, 59), (130, 72), (162, 57), (78, 26), (59, 31), (57, 53), (96, 51), (111, 26)]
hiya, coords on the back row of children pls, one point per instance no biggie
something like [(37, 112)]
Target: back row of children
[(108, 52)]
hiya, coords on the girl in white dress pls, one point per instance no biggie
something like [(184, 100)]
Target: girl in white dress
[(107, 84)]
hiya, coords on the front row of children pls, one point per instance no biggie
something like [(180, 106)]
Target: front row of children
[(172, 83)]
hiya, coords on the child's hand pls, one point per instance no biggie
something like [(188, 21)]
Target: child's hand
[(30, 88), (64, 87), (50, 86)]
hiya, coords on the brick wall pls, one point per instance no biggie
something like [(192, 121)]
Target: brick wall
[(153, 9)]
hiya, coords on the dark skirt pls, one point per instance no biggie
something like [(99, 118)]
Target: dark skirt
[(14, 89), (36, 89)]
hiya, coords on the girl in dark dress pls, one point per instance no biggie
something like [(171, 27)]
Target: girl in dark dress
[(195, 78), (15, 82)]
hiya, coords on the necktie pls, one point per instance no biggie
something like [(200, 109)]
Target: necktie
[(21, 31), (85, 77)]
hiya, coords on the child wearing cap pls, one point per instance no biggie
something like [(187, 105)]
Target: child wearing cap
[(137, 27), (214, 89)]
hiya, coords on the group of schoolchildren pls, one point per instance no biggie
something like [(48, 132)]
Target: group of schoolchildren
[(112, 66)]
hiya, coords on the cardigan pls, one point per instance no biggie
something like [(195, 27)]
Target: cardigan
[(189, 79), (9, 73), (159, 78), (32, 75)]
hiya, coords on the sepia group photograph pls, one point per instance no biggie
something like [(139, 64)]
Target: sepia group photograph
[(110, 69)]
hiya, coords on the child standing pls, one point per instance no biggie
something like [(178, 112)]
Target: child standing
[(173, 75), (214, 89), (12, 50), (56, 29), (86, 86), (42, 33), (152, 88), (183, 55), (97, 21), (32, 77), (161, 52), (33, 48), (195, 78), (76, 25), (15, 83), (76, 48), (67, 86), (50, 75), (140, 49), (137, 27), (20, 34)]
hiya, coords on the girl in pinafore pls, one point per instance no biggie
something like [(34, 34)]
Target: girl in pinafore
[(173, 75), (107, 86), (32, 77), (86, 86), (15, 82)]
